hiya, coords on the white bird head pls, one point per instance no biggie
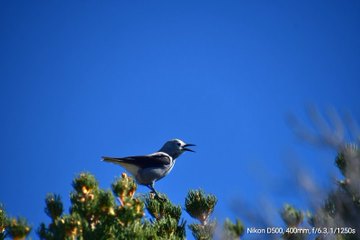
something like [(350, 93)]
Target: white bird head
[(176, 147)]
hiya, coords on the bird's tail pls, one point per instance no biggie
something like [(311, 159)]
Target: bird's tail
[(133, 169), (110, 159)]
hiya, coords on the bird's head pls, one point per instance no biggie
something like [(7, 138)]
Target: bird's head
[(176, 147)]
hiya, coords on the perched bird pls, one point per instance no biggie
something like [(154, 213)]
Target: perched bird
[(150, 168)]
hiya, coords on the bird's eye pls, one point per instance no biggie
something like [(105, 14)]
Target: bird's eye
[(179, 144)]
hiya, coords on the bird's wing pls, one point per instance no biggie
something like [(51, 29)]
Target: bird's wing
[(157, 159)]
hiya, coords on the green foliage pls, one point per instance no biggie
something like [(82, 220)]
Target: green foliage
[(346, 160), (119, 214), (95, 214), (84, 196), (291, 216), (160, 209), (233, 230), (3, 222), (124, 188), (17, 228), (54, 206), (199, 205), (341, 208), (166, 217), (203, 231)]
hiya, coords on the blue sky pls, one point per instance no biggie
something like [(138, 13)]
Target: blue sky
[(83, 79)]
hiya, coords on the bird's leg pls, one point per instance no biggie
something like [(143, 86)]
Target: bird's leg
[(151, 187)]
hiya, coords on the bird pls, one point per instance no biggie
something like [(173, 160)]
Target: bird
[(148, 169)]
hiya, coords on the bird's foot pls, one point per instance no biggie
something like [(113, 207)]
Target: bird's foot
[(158, 197)]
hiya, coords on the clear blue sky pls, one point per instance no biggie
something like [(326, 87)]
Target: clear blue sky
[(82, 79)]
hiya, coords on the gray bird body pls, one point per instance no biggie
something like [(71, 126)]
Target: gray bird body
[(148, 169)]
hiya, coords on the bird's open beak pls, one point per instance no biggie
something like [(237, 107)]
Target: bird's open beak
[(188, 149)]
